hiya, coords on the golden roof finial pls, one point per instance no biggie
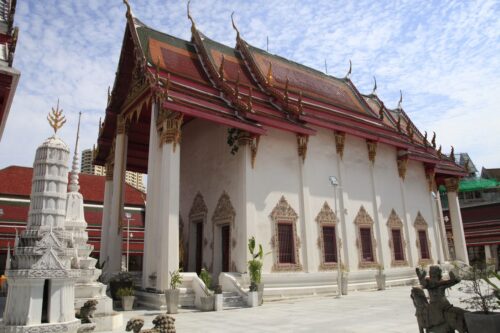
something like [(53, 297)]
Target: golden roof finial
[(56, 119), (348, 75), (234, 26), (269, 77)]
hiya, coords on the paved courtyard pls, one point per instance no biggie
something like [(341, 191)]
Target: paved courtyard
[(364, 311)]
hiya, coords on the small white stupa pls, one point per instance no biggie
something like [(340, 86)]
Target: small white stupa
[(86, 287), (42, 277)]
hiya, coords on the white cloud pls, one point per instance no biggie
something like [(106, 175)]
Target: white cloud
[(443, 55)]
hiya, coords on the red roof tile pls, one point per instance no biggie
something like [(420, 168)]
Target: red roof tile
[(16, 180)]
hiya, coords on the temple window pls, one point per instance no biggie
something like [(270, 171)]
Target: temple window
[(223, 225), (285, 241), (327, 239), (396, 240), (365, 240), (423, 243), (197, 219)]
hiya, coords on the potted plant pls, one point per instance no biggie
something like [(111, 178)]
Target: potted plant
[(484, 300), (127, 296), (119, 281), (380, 277), (207, 301), (255, 271), (172, 294), (344, 279), (219, 301)]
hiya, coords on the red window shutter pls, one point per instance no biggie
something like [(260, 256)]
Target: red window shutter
[(366, 244), (397, 244), (424, 247), (329, 244), (286, 244)]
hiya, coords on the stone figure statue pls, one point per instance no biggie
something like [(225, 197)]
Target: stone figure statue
[(437, 315), (86, 312)]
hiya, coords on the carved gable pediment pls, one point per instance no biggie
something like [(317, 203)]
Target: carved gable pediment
[(283, 211), (48, 261), (49, 240), (394, 221), (199, 208), (224, 211), (420, 222), (326, 215), (363, 218)]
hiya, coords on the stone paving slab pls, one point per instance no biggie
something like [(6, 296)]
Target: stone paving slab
[(359, 312)]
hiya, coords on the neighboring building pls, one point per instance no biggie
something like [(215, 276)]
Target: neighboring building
[(9, 76), (87, 166), (15, 190), (261, 136), (480, 206)]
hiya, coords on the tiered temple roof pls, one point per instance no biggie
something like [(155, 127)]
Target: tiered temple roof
[(249, 89)]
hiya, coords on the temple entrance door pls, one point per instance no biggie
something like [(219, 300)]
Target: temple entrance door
[(225, 239), (199, 246), (45, 302)]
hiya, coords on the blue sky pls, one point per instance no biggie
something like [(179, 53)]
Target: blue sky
[(443, 55)]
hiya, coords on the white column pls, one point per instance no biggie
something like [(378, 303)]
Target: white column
[(407, 224), (342, 226), (150, 232), (456, 220), (442, 227), (114, 248), (487, 253), (106, 214), (307, 241), (436, 229)]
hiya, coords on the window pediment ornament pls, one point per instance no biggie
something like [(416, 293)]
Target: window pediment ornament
[(363, 218), (326, 215), (224, 211), (283, 211), (394, 221), (199, 208), (420, 223)]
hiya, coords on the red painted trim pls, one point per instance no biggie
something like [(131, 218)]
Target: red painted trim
[(214, 118), (283, 125)]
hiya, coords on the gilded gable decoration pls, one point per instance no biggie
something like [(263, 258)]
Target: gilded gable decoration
[(430, 173), (339, 142), (326, 215), (284, 213), (402, 161), (198, 209), (420, 223), (395, 223), (224, 211)]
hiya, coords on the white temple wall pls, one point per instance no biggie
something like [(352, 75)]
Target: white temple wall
[(208, 167), (276, 174), (388, 196), (418, 199)]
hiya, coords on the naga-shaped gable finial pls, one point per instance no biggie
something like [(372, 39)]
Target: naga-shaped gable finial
[(374, 91), (129, 11), (348, 75), (433, 141), (400, 103), (234, 26), (452, 154), (193, 25), (56, 119)]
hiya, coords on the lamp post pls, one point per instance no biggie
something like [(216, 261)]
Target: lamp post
[(129, 218), (335, 183)]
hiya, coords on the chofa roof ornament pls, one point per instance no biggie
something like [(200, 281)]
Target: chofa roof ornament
[(374, 91), (129, 11), (348, 75), (234, 26), (400, 103), (193, 25)]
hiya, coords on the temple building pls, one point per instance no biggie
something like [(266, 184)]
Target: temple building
[(237, 142)]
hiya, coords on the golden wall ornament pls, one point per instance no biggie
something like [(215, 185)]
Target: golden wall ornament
[(169, 125), (302, 141), (372, 150), (402, 165), (339, 142), (430, 175), (56, 119), (198, 209)]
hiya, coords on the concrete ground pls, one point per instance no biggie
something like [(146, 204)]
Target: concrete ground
[(365, 311)]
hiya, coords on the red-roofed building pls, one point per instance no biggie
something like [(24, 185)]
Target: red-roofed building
[(15, 190)]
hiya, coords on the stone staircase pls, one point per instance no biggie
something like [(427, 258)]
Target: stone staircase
[(232, 300), (186, 299)]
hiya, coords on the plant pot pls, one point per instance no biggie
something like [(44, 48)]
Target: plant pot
[(114, 286), (207, 303), (128, 303), (218, 305), (172, 297), (260, 291), (380, 281), (478, 322), (345, 283), (253, 299)]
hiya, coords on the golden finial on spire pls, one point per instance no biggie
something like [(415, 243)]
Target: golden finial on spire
[(56, 119), (269, 77)]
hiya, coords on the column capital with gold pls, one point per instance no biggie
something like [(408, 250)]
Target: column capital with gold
[(452, 184)]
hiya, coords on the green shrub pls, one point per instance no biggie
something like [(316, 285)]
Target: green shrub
[(125, 292), (206, 278), (175, 279)]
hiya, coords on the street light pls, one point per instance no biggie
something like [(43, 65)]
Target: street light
[(129, 218), (335, 183)]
